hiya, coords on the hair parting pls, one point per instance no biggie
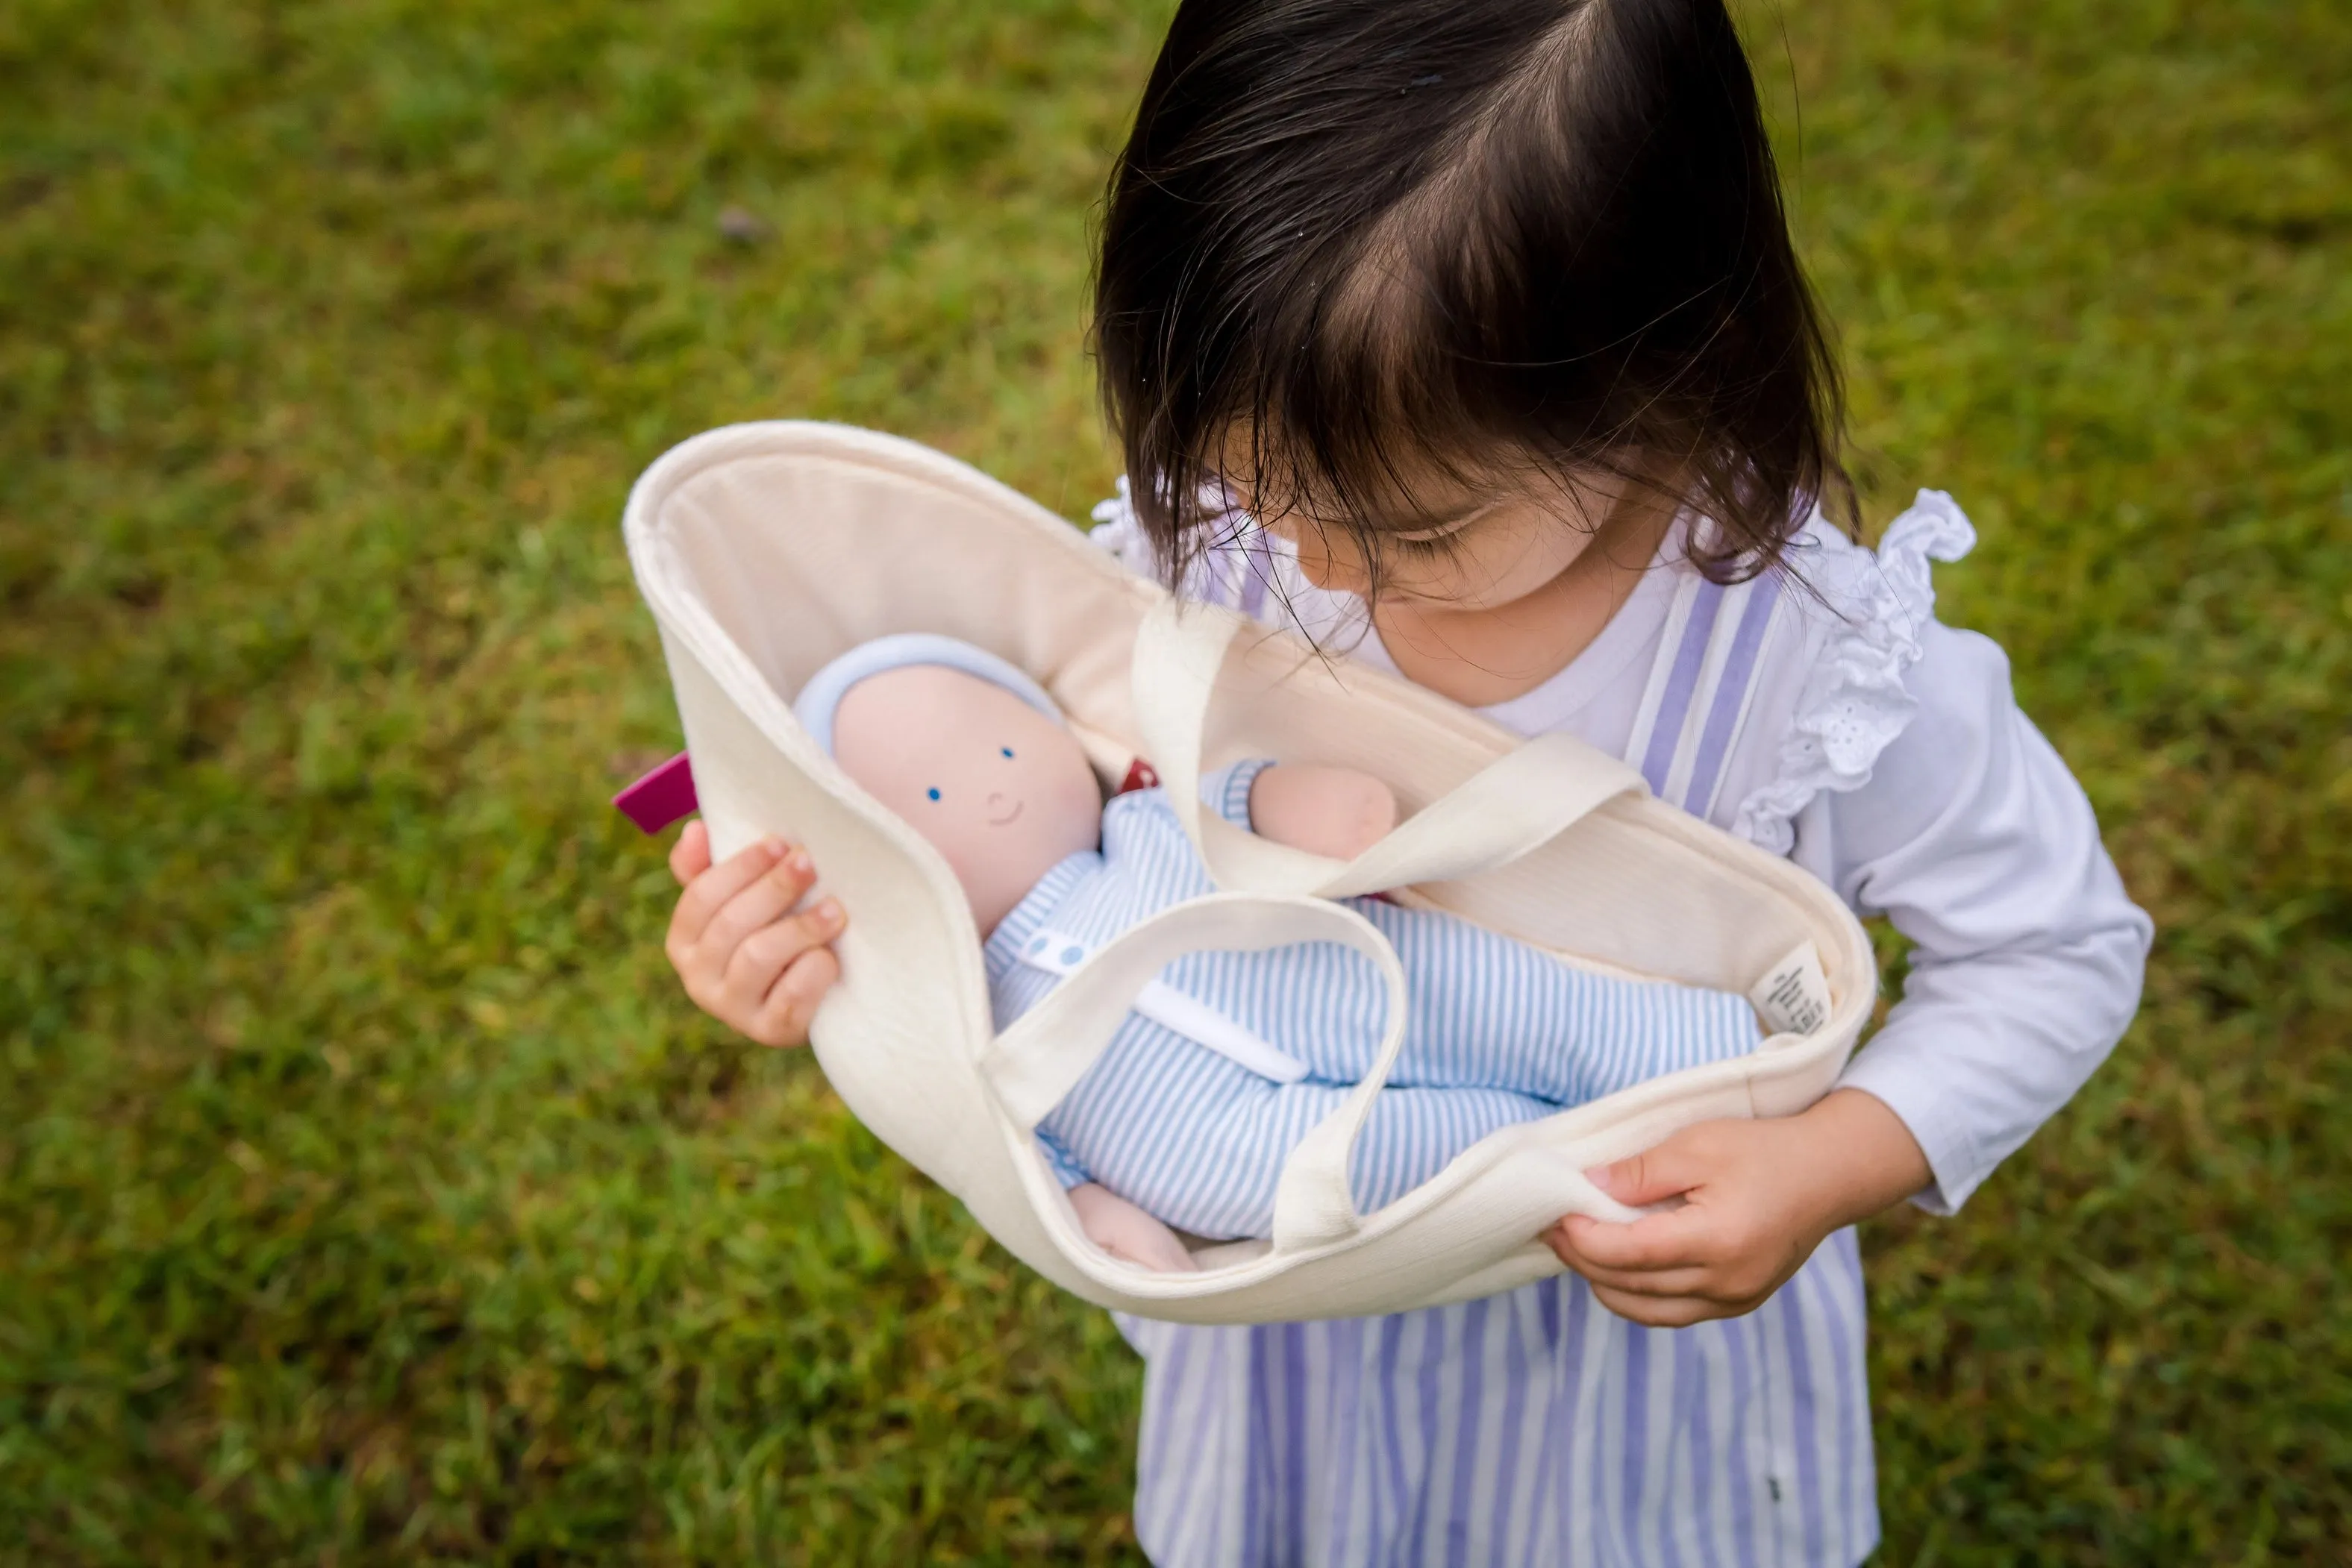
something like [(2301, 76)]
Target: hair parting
[(1355, 250)]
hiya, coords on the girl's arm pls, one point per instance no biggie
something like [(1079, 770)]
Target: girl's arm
[(1755, 1199), (2027, 955), (1973, 838)]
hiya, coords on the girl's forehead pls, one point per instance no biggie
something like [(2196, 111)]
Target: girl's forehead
[(1422, 497), (1271, 480)]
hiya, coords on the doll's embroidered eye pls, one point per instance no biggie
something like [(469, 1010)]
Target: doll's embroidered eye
[(933, 793), (1006, 750)]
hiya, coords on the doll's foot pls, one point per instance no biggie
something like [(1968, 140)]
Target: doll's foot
[(1128, 1234)]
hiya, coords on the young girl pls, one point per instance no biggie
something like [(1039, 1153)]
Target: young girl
[(1466, 336)]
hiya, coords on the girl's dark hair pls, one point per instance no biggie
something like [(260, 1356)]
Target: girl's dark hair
[(1354, 244)]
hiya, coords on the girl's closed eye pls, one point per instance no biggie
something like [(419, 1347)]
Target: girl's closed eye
[(1438, 537)]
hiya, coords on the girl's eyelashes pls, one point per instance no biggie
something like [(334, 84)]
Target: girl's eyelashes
[(1445, 530), (933, 792), (1426, 543), (1436, 540), (1417, 547)]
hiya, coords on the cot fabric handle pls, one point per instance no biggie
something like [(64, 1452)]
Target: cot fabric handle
[(1035, 1063), (1521, 800)]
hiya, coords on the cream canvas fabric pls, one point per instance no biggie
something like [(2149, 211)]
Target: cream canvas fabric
[(766, 549)]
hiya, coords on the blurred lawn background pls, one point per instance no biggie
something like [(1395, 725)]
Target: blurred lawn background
[(368, 1193)]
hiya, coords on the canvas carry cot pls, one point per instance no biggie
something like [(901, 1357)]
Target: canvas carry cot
[(764, 551)]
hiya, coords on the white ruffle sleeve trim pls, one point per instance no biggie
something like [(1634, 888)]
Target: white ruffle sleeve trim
[(1117, 530), (1237, 572), (1854, 702)]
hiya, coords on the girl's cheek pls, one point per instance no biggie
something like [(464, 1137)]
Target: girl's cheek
[(1319, 571), (1505, 567), (1327, 566)]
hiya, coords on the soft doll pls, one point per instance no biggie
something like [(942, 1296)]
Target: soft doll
[(1229, 1059)]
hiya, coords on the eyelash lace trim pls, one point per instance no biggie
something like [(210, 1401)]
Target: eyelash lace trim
[(1855, 702)]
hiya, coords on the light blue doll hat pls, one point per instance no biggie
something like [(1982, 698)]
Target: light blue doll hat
[(820, 699)]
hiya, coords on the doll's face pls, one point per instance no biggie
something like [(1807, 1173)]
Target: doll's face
[(1002, 791)]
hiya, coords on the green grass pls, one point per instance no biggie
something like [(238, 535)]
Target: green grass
[(368, 1193)]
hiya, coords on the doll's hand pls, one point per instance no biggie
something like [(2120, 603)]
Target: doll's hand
[(1333, 812), (1756, 1198), (1125, 1232), (748, 956)]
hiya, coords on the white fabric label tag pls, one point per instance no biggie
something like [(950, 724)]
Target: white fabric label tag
[(1794, 997)]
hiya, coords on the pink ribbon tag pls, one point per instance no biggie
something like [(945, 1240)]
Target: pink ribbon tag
[(662, 797)]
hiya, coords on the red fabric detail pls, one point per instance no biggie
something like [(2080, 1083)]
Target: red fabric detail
[(1139, 776), (662, 797)]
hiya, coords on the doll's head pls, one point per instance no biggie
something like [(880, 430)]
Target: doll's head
[(968, 749)]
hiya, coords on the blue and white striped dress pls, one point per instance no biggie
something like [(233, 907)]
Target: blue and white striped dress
[(1826, 716), (1498, 1033)]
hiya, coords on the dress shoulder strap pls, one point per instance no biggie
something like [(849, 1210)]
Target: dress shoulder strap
[(1702, 686)]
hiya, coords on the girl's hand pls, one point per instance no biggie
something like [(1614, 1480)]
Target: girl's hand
[(748, 956), (1756, 1198)]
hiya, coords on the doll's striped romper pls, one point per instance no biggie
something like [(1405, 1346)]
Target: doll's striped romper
[(1499, 1033)]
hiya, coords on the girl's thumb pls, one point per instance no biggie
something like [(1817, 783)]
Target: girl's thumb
[(1651, 1176)]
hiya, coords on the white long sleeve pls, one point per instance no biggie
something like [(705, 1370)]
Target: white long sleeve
[(1973, 838)]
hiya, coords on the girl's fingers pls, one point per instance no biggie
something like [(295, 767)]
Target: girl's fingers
[(1678, 1312), (1654, 1176), (754, 908), (784, 1017), (1720, 1279), (1676, 1240), (690, 856), (1695, 1282), (709, 891), (759, 960)]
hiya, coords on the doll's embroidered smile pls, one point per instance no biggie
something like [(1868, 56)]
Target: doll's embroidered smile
[(1008, 818)]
